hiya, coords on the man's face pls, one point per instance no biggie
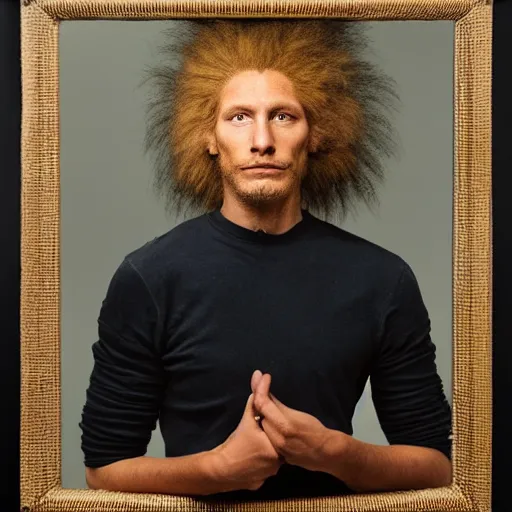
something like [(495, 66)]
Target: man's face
[(260, 121)]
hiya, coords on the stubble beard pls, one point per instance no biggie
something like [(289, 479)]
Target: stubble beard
[(260, 192)]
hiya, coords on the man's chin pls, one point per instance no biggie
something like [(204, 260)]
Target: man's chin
[(262, 197), (261, 192)]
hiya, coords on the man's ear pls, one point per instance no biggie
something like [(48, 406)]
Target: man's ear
[(211, 145)]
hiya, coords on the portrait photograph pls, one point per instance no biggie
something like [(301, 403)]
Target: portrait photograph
[(256, 256), (109, 207)]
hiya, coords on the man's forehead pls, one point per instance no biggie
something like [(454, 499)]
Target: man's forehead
[(251, 87), (270, 105)]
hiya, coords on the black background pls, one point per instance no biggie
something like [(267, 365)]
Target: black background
[(10, 110)]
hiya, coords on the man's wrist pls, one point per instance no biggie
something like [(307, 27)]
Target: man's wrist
[(334, 452), (214, 471)]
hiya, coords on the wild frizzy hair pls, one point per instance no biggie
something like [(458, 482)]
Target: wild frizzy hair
[(347, 100)]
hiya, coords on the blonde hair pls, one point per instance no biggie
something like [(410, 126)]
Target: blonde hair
[(347, 103)]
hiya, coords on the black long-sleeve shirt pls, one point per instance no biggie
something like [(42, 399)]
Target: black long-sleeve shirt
[(191, 314)]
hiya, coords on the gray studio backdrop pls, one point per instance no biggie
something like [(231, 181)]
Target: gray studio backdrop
[(108, 207)]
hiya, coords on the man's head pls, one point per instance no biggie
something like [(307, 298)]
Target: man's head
[(331, 145), (260, 122)]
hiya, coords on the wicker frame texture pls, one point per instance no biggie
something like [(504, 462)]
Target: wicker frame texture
[(40, 281)]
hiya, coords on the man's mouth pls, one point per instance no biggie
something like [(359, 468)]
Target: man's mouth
[(263, 170), (263, 167)]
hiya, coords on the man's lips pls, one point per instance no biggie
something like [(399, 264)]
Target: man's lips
[(263, 167), (263, 171)]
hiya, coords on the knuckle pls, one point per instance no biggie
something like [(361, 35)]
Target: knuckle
[(281, 443), (286, 430)]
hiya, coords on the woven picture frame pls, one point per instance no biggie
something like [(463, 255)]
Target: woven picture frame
[(40, 308)]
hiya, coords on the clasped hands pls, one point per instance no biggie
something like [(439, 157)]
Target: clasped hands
[(256, 449), (298, 438)]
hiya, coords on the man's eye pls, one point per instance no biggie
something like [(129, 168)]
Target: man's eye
[(238, 116)]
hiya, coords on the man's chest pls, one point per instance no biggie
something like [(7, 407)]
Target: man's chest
[(299, 326)]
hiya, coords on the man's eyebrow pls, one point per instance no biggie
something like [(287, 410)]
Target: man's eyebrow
[(247, 108)]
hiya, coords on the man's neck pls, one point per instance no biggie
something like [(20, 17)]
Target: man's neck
[(272, 219)]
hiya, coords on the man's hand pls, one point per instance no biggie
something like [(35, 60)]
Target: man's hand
[(247, 458), (297, 436)]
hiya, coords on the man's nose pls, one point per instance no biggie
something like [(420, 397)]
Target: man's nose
[(263, 138)]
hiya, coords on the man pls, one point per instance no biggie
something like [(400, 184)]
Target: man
[(250, 331)]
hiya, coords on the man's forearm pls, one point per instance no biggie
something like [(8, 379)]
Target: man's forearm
[(187, 475), (367, 467)]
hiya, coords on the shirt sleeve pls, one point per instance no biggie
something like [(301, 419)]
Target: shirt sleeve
[(406, 389), (126, 383)]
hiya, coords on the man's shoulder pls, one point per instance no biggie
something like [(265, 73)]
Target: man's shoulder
[(159, 256), (370, 268), (347, 244), (162, 246)]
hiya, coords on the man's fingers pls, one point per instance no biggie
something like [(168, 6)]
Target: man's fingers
[(255, 379), (250, 413), (263, 387), (271, 412), (266, 407), (262, 395), (262, 390), (250, 410), (274, 436)]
